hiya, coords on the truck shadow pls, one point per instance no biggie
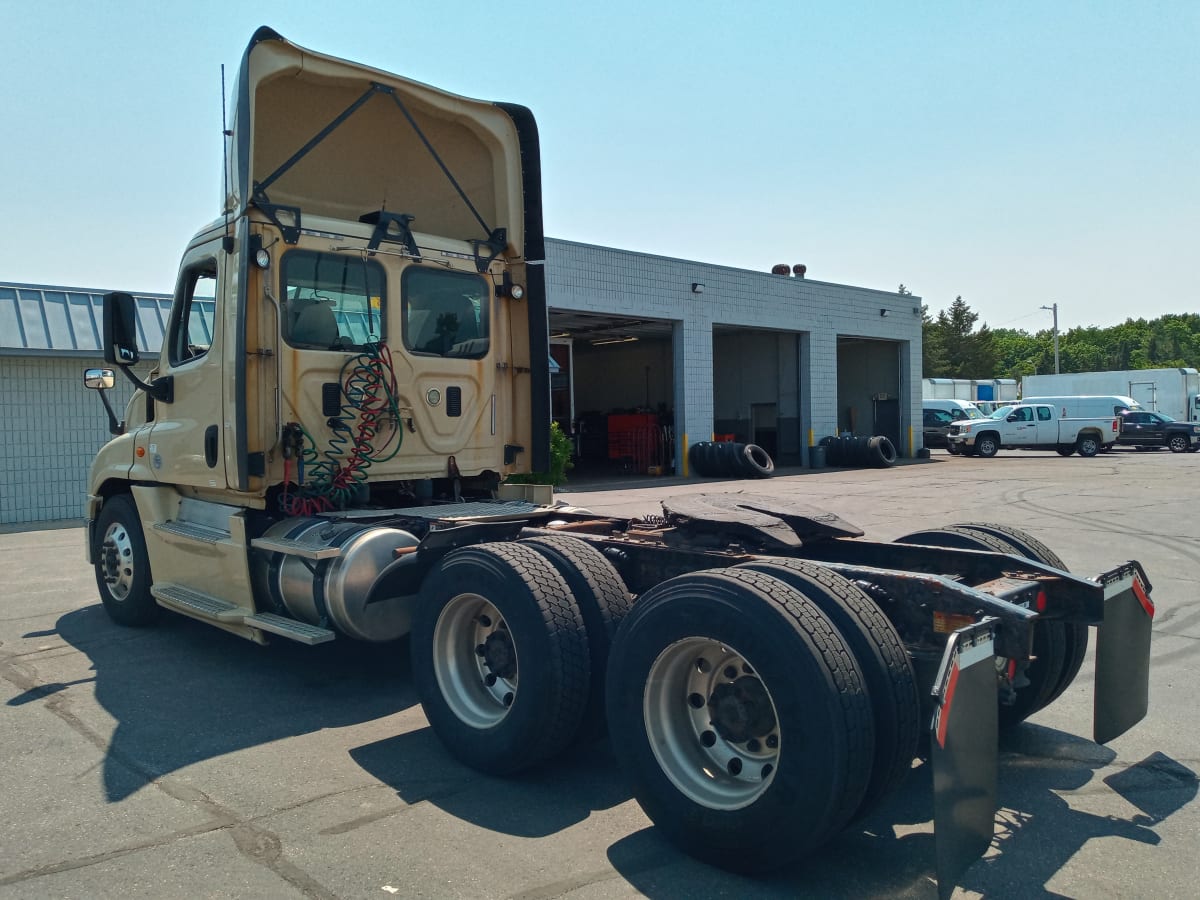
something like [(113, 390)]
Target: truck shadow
[(535, 804), (891, 852), (182, 692)]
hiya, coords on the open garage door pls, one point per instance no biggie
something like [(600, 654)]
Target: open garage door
[(614, 392), (756, 389), (868, 388)]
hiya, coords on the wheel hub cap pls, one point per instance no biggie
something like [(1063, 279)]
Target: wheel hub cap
[(741, 710)]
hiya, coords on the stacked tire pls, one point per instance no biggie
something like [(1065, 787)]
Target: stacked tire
[(726, 459), (853, 450)]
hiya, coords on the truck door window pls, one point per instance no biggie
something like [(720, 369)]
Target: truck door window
[(1043, 413), (446, 313), (1024, 414), (191, 326), (332, 301)]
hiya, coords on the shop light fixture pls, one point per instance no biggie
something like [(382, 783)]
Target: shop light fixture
[(624, 340)]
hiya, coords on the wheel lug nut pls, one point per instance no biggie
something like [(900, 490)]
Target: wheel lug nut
[(772, 741), (731, 672)]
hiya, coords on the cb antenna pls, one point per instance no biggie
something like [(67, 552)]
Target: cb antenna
[(227, 242)]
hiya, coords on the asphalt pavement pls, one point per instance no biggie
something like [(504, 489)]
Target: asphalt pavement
[(180, 761)]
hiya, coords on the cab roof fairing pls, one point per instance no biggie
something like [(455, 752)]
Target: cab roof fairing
[(285, 96)]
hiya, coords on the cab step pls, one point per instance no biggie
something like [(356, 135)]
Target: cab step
[(289, 628), (187, 600), (288, 547), (196, 531)]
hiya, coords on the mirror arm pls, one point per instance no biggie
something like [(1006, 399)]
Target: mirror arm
[(114, 427), (161, 389)]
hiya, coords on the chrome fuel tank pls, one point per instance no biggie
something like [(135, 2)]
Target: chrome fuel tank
[(332, 592)]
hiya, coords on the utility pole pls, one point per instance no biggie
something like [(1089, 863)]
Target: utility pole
[(1054, 309)]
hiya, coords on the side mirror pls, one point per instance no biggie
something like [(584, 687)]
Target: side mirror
[(1012, 418), (98, 379), (120, 330), (102, 380)]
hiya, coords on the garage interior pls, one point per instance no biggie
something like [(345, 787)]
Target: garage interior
[(868, 388), (613, 392), (756, 390)]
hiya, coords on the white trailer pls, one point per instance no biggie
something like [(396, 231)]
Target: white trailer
[(1172, 392)]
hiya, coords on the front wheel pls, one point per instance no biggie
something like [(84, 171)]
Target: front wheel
[(738, 714), (987, 445), (122, 566), (1088, 445), (1179, 443)]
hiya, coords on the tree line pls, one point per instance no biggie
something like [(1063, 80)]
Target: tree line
[(955, 348)]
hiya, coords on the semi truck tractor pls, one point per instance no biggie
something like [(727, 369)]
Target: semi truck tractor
[(356, 361)]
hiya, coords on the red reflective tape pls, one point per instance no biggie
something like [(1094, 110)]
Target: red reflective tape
[(947, 699), (1143, 597)]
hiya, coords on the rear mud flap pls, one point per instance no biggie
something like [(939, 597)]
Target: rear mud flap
[(963, 741), (1123, 653)]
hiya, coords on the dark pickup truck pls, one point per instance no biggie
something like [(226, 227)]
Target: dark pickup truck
[(1150, 429)]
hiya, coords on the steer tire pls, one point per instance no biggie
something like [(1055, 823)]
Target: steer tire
[(509, 601), (737, 713), (603, 601), (887, 669), (122, 565), (987, 445)]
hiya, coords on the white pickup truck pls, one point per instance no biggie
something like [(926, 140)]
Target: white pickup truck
[(1034, 426)]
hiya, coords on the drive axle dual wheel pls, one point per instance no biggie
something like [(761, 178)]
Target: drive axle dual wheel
[(1059, 647), (740, 716), (500, 657)]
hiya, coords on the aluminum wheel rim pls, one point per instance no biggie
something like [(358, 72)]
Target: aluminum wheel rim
[(116, 561), (706, 765), (475, 693)]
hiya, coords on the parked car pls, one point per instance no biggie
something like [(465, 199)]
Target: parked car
[(1150, 429)]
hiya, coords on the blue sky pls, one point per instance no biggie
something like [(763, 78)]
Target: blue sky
[(1017, 153)]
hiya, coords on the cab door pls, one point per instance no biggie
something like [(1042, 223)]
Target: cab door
[(1047, 428), (186, 435)]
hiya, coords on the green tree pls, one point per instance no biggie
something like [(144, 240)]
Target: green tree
[(957, 349)]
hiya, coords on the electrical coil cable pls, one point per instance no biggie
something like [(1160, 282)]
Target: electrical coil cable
[(332, 480)]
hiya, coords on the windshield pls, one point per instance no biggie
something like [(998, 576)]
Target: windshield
[(1001, 413), (973, 412)]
